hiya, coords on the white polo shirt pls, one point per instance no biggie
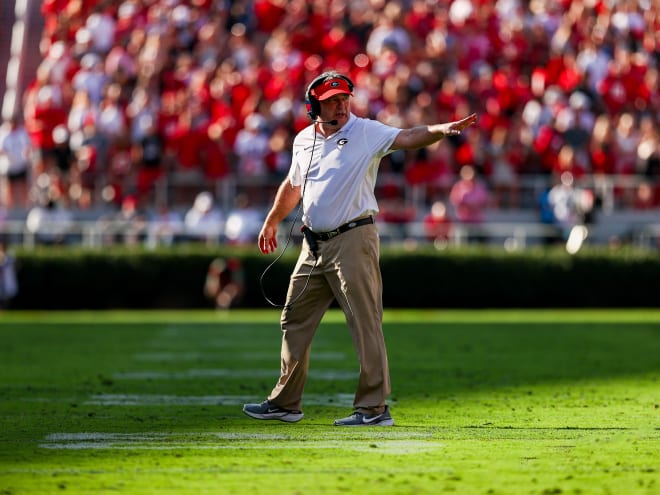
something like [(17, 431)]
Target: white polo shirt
[(338, 173)]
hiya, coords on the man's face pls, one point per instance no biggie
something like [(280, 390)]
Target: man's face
[(337, 108)]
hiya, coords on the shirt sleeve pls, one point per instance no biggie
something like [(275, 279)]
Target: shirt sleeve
[(379, 136), (295, 175)]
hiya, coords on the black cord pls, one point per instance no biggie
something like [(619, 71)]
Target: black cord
[(288, 241)]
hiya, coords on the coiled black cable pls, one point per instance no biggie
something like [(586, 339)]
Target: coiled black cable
[(288, 241)]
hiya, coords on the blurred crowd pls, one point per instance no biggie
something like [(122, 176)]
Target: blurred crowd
[(130, 92)]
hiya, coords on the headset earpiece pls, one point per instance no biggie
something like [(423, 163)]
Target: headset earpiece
[(310, 108), (312, 104)]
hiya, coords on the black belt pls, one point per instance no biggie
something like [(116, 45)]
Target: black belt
[(326, 236)]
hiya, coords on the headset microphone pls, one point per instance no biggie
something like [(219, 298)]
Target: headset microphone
[(331, 122)]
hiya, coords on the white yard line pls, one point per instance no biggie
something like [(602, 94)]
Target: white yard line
[(379, 442), (394, 447), (248, 356), (337, 400), (323, 375)]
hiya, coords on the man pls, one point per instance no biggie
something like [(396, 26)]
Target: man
[(15, 164), (333, 171)]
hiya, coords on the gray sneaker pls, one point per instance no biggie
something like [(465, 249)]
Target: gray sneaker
[(361, 419), (268, 410)]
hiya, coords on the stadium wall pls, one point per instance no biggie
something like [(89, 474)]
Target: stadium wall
[(474, 277)]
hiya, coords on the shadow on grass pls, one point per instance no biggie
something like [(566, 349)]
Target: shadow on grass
[(60, 367), (449, 358), (427, 357)]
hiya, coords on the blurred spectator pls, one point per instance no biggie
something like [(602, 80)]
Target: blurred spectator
[(204, 221), (504, 162), (571, 205), (82, 110), (243, 222), (394, 212), (101, 28), (433, 168), (388, 33), (112, 120), (49, 221), (645, 197), (437, 224), (187, 143), (120, 63), (469, 196), (601, 147), (572, 208), (91, 78), (126, 226), (44, 112), (15, 163), (625, 139), (279, 159), (90, 150), (252, 147), (8, 279), (648, 146), (164, 227), (147, 156), (225, 282)]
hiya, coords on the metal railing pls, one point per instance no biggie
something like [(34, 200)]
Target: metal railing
[(510, 235), (615, 219), (613, 191)]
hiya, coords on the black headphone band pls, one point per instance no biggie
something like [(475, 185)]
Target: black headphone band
[(313, 105)]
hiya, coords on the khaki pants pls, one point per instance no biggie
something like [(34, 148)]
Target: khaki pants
[(348, 270)]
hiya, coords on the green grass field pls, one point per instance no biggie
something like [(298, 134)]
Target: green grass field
[(485, 402)]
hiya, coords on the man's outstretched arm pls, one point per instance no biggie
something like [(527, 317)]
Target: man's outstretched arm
[(424, 135)]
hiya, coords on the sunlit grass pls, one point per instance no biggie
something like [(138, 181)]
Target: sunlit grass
[(501, 402)]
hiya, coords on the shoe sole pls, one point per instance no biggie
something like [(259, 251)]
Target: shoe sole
[(385, 422), (286, 417)]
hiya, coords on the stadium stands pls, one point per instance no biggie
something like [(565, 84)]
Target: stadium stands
[(155, 99)]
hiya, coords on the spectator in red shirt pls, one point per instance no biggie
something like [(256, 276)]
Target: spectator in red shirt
[(41, 120), (601, 147), (433, 168), (437, 224), (188, 139)]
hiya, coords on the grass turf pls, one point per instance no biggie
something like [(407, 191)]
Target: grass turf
[(485, 402)]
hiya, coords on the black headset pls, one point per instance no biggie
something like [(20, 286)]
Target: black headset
[(313, 105)]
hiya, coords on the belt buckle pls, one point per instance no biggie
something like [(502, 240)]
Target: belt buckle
[(332, 234)]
